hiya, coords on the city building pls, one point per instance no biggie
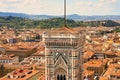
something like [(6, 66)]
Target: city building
[(113, 72), (88, 75), (21, 74), (9, 58), (98, 66), (88, 55), (21, 49)]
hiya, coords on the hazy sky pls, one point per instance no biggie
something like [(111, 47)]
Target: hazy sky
[(55, 7)]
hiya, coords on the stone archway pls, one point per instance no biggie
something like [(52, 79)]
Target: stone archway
[(60, 74)]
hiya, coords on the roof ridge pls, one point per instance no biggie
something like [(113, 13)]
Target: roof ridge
[(71, 30)]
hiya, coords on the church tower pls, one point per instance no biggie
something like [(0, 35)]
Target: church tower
[(63, 54)]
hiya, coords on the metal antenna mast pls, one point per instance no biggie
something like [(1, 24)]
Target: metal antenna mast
[(65, 21)]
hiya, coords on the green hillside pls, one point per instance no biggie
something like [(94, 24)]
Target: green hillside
[(18, 22)]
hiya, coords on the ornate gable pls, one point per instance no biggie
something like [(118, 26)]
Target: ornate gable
[(61, 61)]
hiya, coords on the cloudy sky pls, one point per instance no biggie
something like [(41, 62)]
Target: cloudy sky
[(55, 7)]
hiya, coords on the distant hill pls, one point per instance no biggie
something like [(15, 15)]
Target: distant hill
[(72, 16), (19, 22), (3, 14)]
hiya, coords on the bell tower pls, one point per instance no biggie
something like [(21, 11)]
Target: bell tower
[(63, 52)]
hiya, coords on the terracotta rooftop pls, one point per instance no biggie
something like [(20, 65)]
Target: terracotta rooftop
[(42, 77), (7, 57), (95, 63), (109, 52), (113, 70), (64, 30), (20, 74), (104, 78), (117, 53), (88, 54), (88, 73)]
